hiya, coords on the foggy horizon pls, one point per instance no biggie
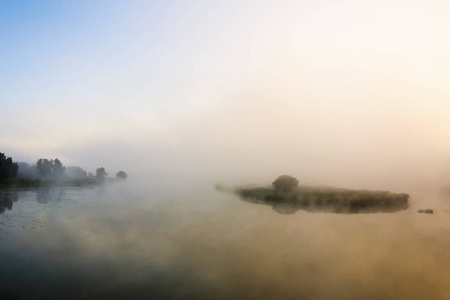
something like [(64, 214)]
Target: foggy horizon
[(343, 94)]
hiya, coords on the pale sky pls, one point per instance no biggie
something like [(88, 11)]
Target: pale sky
[(338, 92)]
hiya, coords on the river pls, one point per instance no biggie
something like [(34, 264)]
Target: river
[(130, 241)]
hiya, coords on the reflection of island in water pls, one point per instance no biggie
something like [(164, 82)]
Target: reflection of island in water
[(290, 198), (6, 200)]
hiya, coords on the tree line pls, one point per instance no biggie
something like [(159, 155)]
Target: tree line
[(50, 168), (47, 169)]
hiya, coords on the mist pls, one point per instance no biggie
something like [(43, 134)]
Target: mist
[(252, 139), (185, 96), (199, 245), (345, 94)]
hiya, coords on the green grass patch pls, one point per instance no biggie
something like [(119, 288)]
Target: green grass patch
[(327, 199)]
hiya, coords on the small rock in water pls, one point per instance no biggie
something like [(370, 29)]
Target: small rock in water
[(425, 211)]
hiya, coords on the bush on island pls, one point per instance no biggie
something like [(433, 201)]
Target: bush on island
[(285, 183)]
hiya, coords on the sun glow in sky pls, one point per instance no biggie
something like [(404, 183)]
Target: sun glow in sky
[(313, 88)]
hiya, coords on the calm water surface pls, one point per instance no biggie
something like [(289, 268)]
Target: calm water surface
[(124, 242)]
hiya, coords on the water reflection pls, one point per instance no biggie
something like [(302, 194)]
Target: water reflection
[(7, 199), (142, 244), (49, 194), (44, 195)]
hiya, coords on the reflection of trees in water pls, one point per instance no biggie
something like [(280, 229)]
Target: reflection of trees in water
[(4, 294), (49, 194), (43, 195), (7, 200)]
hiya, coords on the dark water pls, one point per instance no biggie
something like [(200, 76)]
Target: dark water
[(138, 242)]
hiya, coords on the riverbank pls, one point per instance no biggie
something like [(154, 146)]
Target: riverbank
[(36, 183)]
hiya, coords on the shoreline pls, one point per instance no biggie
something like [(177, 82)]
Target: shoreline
[(63, 182)]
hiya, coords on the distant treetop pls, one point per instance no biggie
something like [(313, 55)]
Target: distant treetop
[(121, 174), (50, 168), (285, 183), (101, 173)]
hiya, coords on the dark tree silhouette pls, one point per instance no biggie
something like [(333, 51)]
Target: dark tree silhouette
[(121, 174), (58, 168), (101, 173), (8, 168), (49, 168), (44, 167)]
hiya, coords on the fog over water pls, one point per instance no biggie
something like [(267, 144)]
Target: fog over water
[(184, 96), (131, 241)]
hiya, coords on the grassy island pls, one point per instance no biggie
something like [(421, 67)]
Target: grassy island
[(325, 199)]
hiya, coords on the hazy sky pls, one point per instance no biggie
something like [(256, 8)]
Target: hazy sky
[(338, 92)]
